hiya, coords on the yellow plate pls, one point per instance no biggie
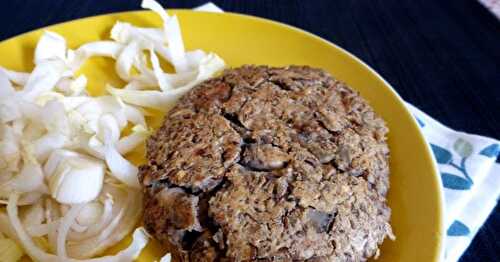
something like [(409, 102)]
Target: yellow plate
[(415, 196)]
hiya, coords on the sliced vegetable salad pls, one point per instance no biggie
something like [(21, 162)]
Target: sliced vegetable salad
[(68, 191)]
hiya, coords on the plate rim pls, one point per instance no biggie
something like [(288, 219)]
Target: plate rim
[(441, 202)]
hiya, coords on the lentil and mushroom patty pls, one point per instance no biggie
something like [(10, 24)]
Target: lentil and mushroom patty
[(269, 164)]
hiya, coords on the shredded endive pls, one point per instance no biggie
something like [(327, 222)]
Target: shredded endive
[(68, 188)]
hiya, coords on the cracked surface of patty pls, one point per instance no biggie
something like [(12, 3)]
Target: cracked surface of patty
[(269, 164)]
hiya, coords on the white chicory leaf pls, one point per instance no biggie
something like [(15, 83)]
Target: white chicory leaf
[(51, 46), (121, 168), (18, 78), (75, 178), (86, 197), (166, 258), (139, 240)]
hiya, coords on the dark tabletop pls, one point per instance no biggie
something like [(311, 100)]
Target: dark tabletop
[(441, 56)]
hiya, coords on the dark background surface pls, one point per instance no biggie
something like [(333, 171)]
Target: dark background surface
[(441, 56)]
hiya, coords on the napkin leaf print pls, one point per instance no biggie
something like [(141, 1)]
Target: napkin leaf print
[(491, 151), (443, 156), (420, 122), (463, 148), (458, 229), (455, 182)]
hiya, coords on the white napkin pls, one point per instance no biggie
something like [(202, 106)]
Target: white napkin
[(471, 178), (493, 6)]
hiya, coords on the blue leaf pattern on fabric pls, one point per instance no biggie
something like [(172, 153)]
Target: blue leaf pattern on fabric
[(457, 154), (442, 155), (463, 147), (458, 229), (420, 122), (491, 151), (455, 182)]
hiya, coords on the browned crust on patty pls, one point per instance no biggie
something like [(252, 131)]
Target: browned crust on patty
[(273, 164)]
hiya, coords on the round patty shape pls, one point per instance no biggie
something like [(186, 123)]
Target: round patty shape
[(269, 164)]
